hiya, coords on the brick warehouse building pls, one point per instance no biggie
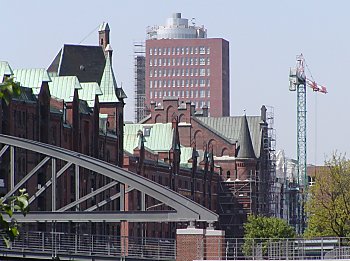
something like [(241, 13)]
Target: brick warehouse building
[(78, 107), (181, 61), (241, 152)]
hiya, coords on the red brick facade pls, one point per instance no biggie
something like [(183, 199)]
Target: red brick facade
[(190, 69)]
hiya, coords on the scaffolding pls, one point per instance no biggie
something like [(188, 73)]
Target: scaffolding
[(273, 195), (140, 83)]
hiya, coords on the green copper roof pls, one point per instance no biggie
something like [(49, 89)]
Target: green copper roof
[(108, 83), (159, 139), (5, 69), (88, 92), (62, 87), (32, 78), (230, 128)]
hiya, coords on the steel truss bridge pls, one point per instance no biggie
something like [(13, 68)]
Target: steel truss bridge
[(181, 209)]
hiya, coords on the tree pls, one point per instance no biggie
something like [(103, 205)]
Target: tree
[(328, 204), (8, 89), (9, 229), (259, 229)]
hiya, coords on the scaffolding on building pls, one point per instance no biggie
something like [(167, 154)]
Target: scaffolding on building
[(139, 78), (274, 206)]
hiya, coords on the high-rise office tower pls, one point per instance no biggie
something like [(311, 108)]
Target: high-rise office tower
[(182, 62)]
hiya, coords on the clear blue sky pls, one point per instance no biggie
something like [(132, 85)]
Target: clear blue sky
[(265, 36)]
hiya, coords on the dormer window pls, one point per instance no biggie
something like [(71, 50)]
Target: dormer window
[(147, 131)]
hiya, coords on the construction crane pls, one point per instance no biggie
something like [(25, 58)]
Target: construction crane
[(299, 82)]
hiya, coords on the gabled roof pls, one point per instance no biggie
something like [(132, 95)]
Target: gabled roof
[(26, 95), (62, 87), (5, 70), (229, 128), (32, 78), (245, 150), (159, 139), (85, 62), (104, 27), (88, 92), (108, 83)]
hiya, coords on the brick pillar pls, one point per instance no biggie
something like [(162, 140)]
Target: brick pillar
[(189, 244), (214, 244)]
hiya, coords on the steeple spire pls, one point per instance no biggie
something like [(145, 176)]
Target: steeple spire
[(245, 141)]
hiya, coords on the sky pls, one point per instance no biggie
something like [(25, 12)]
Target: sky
[(265, 37)]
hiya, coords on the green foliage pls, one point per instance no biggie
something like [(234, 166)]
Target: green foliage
[(260, 230), (7, 207), (8, 89), (328, 205)]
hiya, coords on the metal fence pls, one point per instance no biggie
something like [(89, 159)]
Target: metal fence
[(276, 249), (63, 244)]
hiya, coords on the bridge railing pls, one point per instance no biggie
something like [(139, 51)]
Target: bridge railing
[(58, 244), (276, 249)]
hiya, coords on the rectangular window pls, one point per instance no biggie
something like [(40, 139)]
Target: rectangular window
[(177, 83), (208, 61), (155, 61), (173, 83), (201, 50), (155, 73), (196, 50), (178, 50), (208, 104), (183, 83), (197, 104), (174, 72), (178, 93), (160, 51), (160, 94), (150, 73), (187, 82), (208, 50), (182, 61), (160, 83), (182, 50), (187, 50), (164, 61), (169, 62), (164, 94), (164, 51), (178, 72), (191, 94), (164, 83), (201, 82), (150, 84), (169, 50), (197, 95), (183, 94), (196, 72), (173, 50), (202, 72), (155, 95), (150, 51), (173, 93), (208, 72), (196, 82), (182, 72), (196, 61), (201, 61), (191, 50), (155, 84), (169, 72), (160, 61), (191, 71), (169, 93), (187, 71), (155, 51), (150, 62), (186, 60), (177, 61), (208, 93), (151, 94), (174, 62), (191, 82), (202, 93), (187, 94), (169, 83), (164, 72), (208, 82)]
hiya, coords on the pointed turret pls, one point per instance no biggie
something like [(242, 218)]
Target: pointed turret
[(103, 35), (246, 149), (108, 83)]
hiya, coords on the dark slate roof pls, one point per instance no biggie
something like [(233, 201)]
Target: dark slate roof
[(26, 95), (85, 62), (245, 150), (229, 128)]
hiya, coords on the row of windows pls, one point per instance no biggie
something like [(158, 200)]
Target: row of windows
[(180, 83), (179, 50), (179, 61), (179, 72), (182, 94)]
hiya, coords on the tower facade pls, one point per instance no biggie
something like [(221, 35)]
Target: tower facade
[(182, 62)]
